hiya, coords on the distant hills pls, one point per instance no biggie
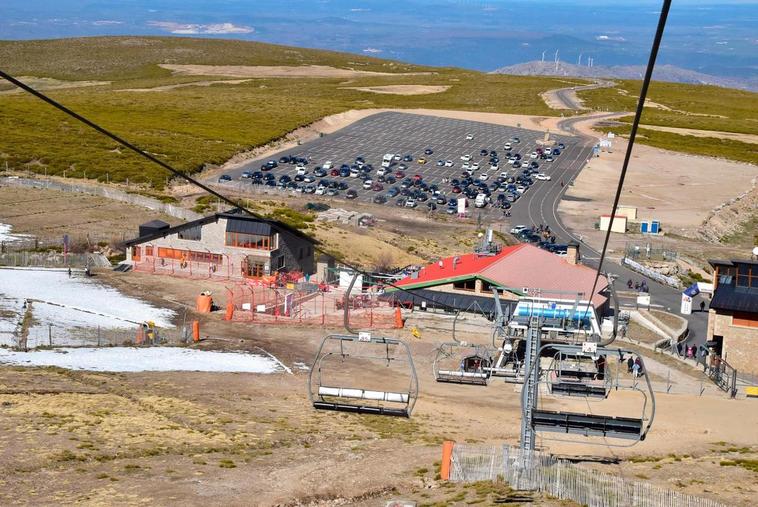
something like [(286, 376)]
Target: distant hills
[(662, 73)]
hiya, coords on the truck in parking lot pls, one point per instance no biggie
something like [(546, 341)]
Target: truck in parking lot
[(387, 160), (481, 201)]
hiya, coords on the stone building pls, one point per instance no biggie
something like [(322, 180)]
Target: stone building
[(232, 244), (733, 313)]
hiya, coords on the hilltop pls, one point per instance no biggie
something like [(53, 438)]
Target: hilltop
[(669, 73)]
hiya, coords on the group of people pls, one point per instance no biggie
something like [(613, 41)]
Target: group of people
[(638, 286), (634, 366)]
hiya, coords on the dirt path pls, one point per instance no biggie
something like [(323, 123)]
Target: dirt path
[(267, 71), (736, 136)]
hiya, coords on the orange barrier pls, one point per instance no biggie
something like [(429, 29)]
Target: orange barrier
[(204, 304), (195, 330), (229, 312), (447, 455), (398, 318)]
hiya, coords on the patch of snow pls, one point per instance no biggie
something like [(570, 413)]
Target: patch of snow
[(68, 304), (6, 236), (133, 359)]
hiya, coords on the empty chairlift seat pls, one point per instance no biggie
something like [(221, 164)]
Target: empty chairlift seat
[(588, 425), (339, 354), (462, 364)]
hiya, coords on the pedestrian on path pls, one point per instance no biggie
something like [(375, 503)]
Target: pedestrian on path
[(630, 364), (702, 306)]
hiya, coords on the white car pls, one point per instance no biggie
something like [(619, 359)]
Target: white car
[(484, 177), (549, 158), (507, 147), (397, 157), (469, 137), (524, 165), (542, 177), (521, 189), (475, 166), (355, 172), (301, 170), (410, 203), (519, 228), (533, 155), (367, 184), (327, 165), (320, 190), (448, 163), (465, 158), (504, 174), (494, 167), (466, 165), (381, 171), (512, 159)]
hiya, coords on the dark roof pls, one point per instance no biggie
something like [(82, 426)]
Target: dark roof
[(233, 215), (238, 224), (446, 300), (731, 263), (155, 224), (735, 299)]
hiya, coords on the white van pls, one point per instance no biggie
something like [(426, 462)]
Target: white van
[(481, 201), (387, 160)]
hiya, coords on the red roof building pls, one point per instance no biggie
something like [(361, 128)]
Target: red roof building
[(519, 270)]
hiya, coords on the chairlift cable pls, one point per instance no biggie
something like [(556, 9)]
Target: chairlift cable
[(633, 133)]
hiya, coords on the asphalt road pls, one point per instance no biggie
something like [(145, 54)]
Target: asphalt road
[(568, 95), (542, 206), (410, 134)]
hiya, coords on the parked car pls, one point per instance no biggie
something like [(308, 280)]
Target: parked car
[(448, 163), (542, 177), (428, 151), (410, 203), (379, 199), (224, 178), (351, 194), (469, 137)]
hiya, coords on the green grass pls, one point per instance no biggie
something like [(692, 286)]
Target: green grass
[(692, 107), (191, 127), (706, 146)]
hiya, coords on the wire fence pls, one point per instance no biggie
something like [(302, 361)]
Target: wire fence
[(42, 336), (537, 471), (43, 259)]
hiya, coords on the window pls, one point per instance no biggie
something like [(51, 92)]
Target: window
[(744, 319), (149, 251), (192, 233), (747, 275), (256, 269), (280, 263), (469, 284), (136, 253), (190, 255), (243, 240)]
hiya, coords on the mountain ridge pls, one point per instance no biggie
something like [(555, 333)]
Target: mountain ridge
[(669, 73)]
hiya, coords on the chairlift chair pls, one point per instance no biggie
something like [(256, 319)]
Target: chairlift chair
[(632, 429), (460, 363), (340, 377), (579, 374)]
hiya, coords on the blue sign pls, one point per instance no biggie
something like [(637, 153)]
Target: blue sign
[(692, 290)]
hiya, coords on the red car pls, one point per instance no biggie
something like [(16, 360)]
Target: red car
[(334, 172), (456, 190), (399, 174), (377, 187), (417, 177)]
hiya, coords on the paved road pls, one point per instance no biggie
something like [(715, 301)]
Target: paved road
[(568, 95), (542, 209)]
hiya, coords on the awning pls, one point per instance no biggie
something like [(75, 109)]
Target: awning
[(248, 226)]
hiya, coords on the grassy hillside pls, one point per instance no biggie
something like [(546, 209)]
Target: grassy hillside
[(690, 107), (191, 126)]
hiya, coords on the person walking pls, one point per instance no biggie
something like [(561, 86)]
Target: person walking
[(702, 306), (69, 272), (629, 364), (637, 367)]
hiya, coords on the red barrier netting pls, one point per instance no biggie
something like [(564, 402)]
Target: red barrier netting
[(308, 304)]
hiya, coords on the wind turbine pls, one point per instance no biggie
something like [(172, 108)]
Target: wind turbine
[(556, 60), (580, 59), (543, 57)]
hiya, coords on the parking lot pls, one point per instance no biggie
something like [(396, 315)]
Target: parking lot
[(410, 134)]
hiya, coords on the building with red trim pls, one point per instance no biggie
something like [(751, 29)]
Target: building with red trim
[(516, 270)]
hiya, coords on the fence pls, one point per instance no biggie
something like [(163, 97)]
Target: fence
[(308, 304), (537, 471), (43, 259), (649, 252), (50, 336), (108, 192), (654, 275)]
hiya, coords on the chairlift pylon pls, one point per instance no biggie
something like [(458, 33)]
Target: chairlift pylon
[(340, 377)]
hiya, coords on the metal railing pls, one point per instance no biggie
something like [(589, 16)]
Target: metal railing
[(537, 471)]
